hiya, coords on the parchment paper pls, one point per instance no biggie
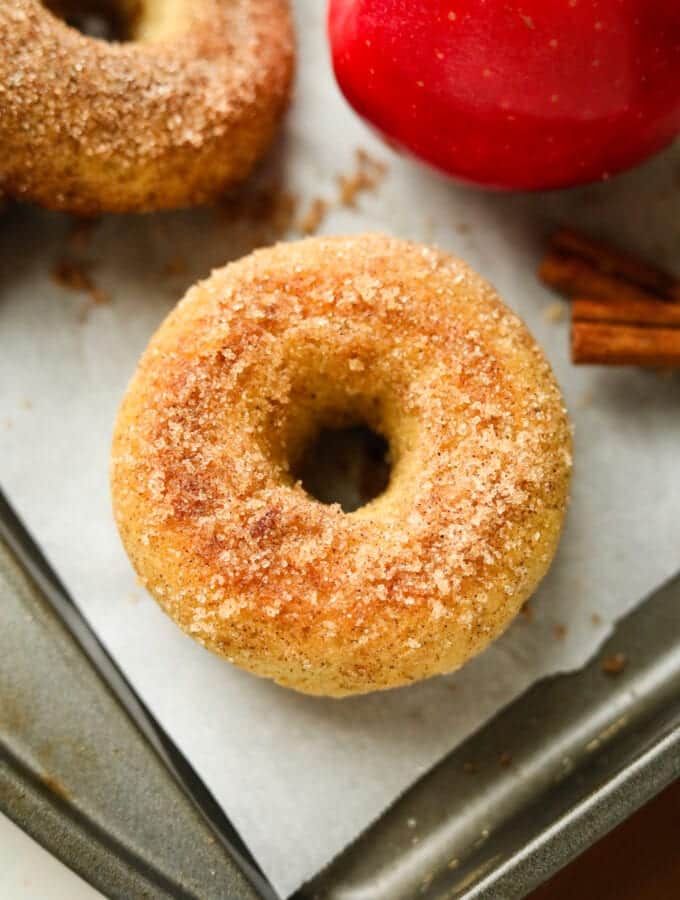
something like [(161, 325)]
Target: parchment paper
[(301, 777)]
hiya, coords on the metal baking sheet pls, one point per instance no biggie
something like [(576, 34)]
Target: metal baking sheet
[(88, 773)]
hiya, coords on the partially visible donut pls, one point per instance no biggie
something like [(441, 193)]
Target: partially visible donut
[(168, 119), (328, 332)]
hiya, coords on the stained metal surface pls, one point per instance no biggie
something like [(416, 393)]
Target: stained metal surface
[(542, 781), (83, 766), (86, 771)]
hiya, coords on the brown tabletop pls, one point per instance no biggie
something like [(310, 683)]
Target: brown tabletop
[(639, 860)]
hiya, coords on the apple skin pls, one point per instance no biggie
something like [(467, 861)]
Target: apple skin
[(516, 95)]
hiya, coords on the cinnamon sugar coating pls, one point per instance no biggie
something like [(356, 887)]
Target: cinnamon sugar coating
[(326, 332), (168, 119)]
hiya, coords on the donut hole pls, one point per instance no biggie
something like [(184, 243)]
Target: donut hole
[(107, 20), (346, 465), (340, 432)]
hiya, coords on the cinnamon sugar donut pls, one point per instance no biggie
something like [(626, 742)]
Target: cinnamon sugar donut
[(168, 119), (323, 333)]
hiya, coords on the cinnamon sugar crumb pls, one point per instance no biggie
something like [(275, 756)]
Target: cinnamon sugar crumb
[(367, 176), (367, 160), (314, 216), (73, 276), (596, 619), (555, 313), (560, 632), (527, 612), (615, 664)]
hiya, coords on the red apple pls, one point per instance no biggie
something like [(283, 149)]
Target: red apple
[(514, 93)]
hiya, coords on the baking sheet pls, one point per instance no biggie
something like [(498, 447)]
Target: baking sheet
[(300, 777)]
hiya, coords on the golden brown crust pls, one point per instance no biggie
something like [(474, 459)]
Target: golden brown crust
[(167, 120), (234, 382)]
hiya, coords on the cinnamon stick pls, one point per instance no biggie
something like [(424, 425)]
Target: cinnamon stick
[(625, 345), (626, 312), (610, 261), (573, 276)]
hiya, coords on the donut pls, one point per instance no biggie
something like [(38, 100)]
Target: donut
[(326, 333), (169, 118)]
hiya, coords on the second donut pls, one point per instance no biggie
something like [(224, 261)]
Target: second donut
[(169, 117)]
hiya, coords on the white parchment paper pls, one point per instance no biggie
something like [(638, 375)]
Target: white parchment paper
[(300, 777)]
